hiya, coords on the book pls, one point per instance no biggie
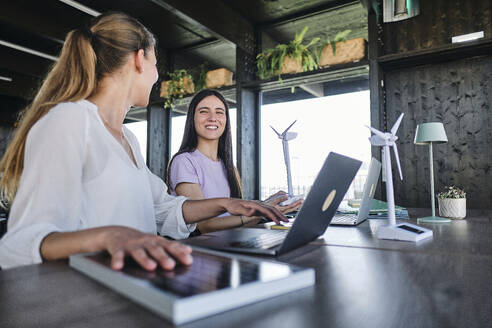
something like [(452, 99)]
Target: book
[(214, 283)]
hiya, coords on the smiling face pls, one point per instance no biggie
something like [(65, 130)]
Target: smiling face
[(210, 118)]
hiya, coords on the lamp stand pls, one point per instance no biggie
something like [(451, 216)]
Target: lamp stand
[(433, 218)]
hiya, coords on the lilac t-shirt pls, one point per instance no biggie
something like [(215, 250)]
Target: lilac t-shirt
[(197, 168)]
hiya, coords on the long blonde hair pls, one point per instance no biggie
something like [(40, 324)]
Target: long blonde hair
[(87, 55)]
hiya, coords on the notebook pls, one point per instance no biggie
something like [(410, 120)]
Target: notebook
[(214, 283), (313, 218)]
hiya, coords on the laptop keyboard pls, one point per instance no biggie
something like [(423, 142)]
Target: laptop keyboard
[(268, 239), (349, 219)]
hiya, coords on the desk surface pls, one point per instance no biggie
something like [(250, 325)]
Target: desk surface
[(365, 283)]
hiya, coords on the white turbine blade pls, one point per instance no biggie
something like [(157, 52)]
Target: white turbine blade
[(285, 131), (279, 135), (395, 149), (397, 124), (377, 132)]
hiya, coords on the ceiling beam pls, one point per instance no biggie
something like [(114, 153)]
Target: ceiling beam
[(21, 86), (314, 11), (33, 15), (216, 18), (23, 63)]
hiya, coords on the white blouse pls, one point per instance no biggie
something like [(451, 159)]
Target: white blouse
[(77, 176)]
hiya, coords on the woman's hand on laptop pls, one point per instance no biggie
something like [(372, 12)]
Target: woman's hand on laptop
[(148, 250), (280, 196), (254, 208)]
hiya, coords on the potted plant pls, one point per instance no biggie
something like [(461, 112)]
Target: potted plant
[(179, 84), (341, 51), (218, 78), (294, 57), (452, 203)]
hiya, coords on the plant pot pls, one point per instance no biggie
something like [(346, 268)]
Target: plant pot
[(454, 208), (291, 65), (346, 52), (187, 83), (219, 78)]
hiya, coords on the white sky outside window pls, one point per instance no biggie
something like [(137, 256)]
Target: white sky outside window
[(333, 123)]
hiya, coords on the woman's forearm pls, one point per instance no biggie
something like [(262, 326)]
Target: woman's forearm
[(197, 210), (227, 222), (59, 245)]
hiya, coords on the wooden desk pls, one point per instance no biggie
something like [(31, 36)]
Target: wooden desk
[(444, 283)]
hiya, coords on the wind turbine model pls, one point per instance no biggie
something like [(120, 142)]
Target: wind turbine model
[(286, 136), (400, 231)]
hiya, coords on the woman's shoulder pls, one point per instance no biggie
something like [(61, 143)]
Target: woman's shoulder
[(68, 114), (64, 119), (184, 158)]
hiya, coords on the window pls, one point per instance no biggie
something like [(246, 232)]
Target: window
[(333, 123), (139, 129)]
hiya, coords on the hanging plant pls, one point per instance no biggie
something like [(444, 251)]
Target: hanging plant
[(340, 50), (339, 37), (179, 84), (200, 78), (293, 57)]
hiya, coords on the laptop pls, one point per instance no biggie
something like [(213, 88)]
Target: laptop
[(365, 205), (313, 218)]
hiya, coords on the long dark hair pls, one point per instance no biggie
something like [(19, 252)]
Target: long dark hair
[(190, 141)]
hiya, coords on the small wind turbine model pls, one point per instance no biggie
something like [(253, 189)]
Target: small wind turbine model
[(286, 136), (400, 231)]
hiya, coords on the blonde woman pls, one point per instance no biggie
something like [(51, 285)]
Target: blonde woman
[(74, 174)]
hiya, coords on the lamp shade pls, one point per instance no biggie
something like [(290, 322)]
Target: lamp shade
[(430, 132)]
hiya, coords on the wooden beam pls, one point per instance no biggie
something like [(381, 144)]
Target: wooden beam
[(158, 139), (376, 87), (21, 86), (23, 63), (216, 18), (36, 17), (304, 14), (248, 101)]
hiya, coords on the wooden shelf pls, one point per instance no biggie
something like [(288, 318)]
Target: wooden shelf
[(438, 54), (349, 71), (346, 72)]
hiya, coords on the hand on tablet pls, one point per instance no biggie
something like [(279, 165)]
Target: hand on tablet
[(148, 250)]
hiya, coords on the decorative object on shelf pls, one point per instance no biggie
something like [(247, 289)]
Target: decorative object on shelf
[(341, 51), (218, 78), (394, 230), (396, 10), (452, 202), (429, 134), (180, 84), (294, 57)]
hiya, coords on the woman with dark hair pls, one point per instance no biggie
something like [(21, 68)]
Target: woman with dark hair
[(74, 175), (203, 167)]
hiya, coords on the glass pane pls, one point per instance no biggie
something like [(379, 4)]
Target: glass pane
[(139, 129), (333, 123)]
